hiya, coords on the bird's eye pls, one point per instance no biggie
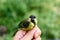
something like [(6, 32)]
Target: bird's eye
[(34, 17)]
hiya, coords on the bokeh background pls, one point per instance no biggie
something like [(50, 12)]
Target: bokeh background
[(46, 11)]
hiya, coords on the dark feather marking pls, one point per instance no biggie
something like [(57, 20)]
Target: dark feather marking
[(15, 32), (23, 24), (33, 21), (26, 24)]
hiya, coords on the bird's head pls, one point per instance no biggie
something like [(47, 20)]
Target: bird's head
[(33, 19)]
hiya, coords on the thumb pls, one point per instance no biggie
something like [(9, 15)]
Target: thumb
[(19, 35)]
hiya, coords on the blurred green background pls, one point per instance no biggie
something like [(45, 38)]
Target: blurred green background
[(46, 11)]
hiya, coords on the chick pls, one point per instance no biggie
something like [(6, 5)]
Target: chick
[(27, 24)]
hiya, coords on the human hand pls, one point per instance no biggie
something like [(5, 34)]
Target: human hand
[(33, 34)]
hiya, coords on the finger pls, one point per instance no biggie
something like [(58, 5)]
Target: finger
[(29, 34), (19, 35), (37, 33), (38, 38)]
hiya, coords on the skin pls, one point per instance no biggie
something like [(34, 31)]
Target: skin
[(33, 34)]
